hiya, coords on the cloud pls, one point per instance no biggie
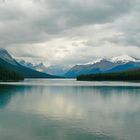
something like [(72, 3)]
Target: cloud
[(69, 31)]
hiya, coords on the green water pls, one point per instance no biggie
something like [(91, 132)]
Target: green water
[(69, 110)]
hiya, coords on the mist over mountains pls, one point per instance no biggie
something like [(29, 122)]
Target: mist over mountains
[(102, 65), (58, 70), (10, 64)]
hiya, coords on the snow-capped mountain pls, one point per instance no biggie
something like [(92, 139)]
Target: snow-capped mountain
[(40, 67), (26, 64), (123, 59), (59, 70), (10, 64), (4, 55), (102, 65), (118, 59)]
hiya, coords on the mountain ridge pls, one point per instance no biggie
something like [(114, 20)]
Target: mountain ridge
[(58, 70), (103, 65), (8, 62)]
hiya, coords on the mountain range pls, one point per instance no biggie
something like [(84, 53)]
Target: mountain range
[(10, 64), (105, 65), (102, 65), (58, 70)]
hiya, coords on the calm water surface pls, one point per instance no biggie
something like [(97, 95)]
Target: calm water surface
[(69, 110)]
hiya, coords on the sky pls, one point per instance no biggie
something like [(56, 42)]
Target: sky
[(67, 32)]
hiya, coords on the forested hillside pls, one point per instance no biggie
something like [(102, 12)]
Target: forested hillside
[(9, 75), (132, 75)]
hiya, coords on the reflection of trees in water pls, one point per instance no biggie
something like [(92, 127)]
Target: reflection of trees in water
[(84, 94), (9, 91), (73, 92), (107, 90)]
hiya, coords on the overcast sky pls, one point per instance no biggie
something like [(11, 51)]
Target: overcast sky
[(69, 31)]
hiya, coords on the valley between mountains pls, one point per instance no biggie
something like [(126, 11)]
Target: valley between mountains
[(22, 69)]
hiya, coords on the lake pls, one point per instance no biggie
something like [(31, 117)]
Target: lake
[(61, 109)]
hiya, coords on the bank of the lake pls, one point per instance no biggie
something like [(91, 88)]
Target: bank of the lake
[(7, 75), (133, 75)]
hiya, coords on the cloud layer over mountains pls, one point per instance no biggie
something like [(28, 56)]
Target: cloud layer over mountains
[(69, 31)]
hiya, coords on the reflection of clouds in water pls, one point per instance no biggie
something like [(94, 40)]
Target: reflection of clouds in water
[(103, 110), (59, 106), (47, 104), (74, 101), (116, 103)]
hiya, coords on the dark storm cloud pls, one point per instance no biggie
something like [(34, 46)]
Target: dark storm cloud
[(33, 21)]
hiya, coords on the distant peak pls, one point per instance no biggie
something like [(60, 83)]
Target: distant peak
[(7, 57), (123, 58), (41, 64), (96, 61), (3, 50)]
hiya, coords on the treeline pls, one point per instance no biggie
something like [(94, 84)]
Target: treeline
[(9, 75), (133, 75)]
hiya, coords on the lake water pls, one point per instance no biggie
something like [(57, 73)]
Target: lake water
[(69, 110)]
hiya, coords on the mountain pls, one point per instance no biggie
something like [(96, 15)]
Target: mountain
[(40, 67), (104, 65), (52, 69), (57, 70), (26, 64), (123, 59), (5, 56), (9, 63)]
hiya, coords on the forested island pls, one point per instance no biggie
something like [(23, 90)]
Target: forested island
[(9, 75), (133, 75)]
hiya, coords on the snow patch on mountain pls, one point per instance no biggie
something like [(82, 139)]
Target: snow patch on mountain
[(118, 59), (7, 57), (95, 61), (123, 58), (122, 62)]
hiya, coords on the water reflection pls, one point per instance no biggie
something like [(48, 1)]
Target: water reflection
[(71, 112), (65, 100), (7, 93)]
